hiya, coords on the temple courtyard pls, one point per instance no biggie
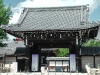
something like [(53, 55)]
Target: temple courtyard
[(39, 73)]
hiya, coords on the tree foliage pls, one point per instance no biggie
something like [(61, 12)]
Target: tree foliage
[(62, 52), (92, 43), (5, 14)]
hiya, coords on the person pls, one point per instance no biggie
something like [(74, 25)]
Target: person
[(46, 68), (87, 69), (67, 68), (42, 69)]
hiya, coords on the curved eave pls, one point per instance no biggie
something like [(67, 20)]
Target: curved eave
[(17, 28)]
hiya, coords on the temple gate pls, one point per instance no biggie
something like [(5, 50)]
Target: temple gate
[(53, 27)]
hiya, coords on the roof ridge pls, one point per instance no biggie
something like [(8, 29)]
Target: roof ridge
[(24, 15)]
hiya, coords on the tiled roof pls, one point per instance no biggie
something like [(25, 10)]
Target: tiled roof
[(57, 58), (16, 44), (20, 51), (8, 51), (11, 48), (90, 51), (48, 49), (54, 18)]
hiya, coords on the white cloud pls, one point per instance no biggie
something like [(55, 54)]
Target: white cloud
[(93, 4), (10, 39)]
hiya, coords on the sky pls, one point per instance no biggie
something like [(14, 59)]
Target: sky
[(18, 5)]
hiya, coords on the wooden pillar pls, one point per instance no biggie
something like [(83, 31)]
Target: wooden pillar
[(28, 60), (72, 49), (27, 55), (35, 49), (4, 59), (94, 60), (78, 58), (78, 46), (16, 58), (39, 52)]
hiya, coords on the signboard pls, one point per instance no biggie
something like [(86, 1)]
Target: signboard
[(72, 62), (14, 66), (34, 62)]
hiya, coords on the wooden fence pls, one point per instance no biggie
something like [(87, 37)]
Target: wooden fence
[(5, 67)]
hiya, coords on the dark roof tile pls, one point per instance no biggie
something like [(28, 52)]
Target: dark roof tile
[(90, 50), (54, 18), (11, 48), (20, 51)]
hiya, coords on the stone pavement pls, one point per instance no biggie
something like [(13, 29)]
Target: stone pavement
[(39, 73)]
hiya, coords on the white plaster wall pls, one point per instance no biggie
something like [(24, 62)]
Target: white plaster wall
[(86, 60), (9, 60)]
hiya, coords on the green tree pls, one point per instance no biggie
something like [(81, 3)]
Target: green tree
[(62, 52), (92, 43), (5, 14)]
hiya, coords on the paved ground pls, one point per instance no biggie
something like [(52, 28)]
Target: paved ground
[(39, 73)]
